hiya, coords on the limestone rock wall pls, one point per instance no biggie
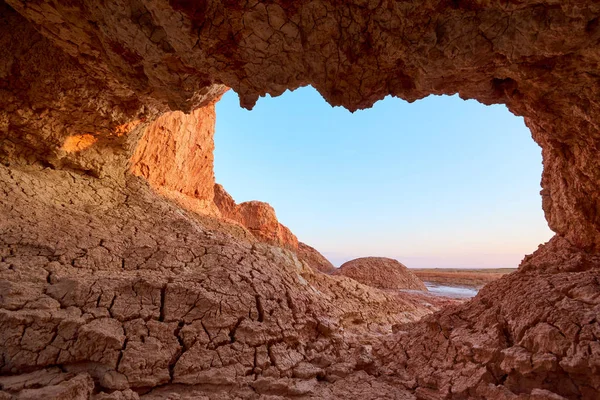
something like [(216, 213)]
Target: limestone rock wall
[(175, 155)]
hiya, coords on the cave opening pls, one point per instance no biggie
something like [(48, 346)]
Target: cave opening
[(440, 182), (121, 286)]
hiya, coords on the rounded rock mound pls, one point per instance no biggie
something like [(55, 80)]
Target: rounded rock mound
[(382, 273), (314, 259)]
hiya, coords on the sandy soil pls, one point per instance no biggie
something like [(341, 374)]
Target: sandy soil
[(461, 277)]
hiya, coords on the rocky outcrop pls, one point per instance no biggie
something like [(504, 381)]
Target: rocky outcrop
[(259, 217), (525, 336), (124, 290), (382, 273), (226, 204), (256, 216), (560, 255), (175, 155), (118, 286), (314, 259), (538, 57)]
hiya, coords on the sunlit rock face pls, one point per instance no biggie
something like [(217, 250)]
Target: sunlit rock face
[(226, 204), (175, 155), (256, 216), (259, 217), (132, 296)]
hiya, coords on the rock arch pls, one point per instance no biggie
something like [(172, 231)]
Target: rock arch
[(95, 75), (540, 58)]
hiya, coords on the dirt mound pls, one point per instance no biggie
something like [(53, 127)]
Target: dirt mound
[(382, 273)]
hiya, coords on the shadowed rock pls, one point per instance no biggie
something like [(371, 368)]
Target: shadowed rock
[(314, 259)]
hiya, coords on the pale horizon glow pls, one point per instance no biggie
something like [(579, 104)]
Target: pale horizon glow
[(441, 182), (466, 261)]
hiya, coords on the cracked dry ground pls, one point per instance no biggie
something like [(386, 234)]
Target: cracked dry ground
[(111, 292), (107, 288)]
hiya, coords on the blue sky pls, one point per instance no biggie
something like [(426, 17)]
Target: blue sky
[(440, 182)]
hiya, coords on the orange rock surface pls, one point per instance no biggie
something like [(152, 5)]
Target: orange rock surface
[(256, 216), (259, 217), (175, 155), (109, 291), (226, 204)]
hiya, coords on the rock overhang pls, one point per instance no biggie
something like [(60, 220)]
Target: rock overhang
[(141, 59), (74, 68)]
